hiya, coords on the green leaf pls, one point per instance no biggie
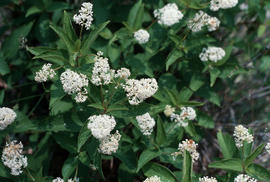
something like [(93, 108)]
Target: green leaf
[(261, 30), (69, 167), (96, 106), (32, 10), (93, 36), (196, 82), (228, 164), (173, 56), (66, 140), (68, 28), (214, 73), (84, 135), (4, 69), (254, 154), (53, 57), (136, 14), (155, 169), (226, 144), (145, 157), (228, 52), (205, 120), (161, 134), (259, 172), (64, 37), (187, 168)]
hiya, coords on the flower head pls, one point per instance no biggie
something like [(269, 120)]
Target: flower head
[(139, 90), (85, 16), (244, 178), (215, 5), (7, 116), (189, 146), (207, 179), (168, 15), (45, 73), (142, 36), (241, 135), (101, 125), (213, 54), (169, 110), (187, 113), (123, 73), (110, 144), (12, 157), (153, 179), (146, 123)]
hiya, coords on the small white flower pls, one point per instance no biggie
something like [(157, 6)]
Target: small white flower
[(241, 134), (146, 123), (187, 113), (110, 144), (81, 96), (85, 16), (101, 74), (168, 15), (45, 73), (142, 36), (139, 90), (207, 179), (244, 178), (243, 6), (267, 147), (7, 116), (213, 54), (123, 73), (101, 125), (169, 110), (215, 5), (58, 179), (153, 179), (189, 146), (73, 180), (12, 157)]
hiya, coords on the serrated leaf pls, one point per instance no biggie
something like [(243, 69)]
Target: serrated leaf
[(135, 16), (84, 135), (226, 144), (69, 167), (228, 164), (187, 167), (161, 134), (68, 28), (145, 157), (259, 172), (173, 56), (254, 154), (214, 73), (196, 82)]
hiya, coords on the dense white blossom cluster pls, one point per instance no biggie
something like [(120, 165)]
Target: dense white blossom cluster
[(153, 179), (189, 146), (241, 135), (146, 123), (187, 113), (267, 147), (85, 16), (110, 144), (7, 116), (168, 15), (45, 73), (202, 19), (169, 110), (58, 179), (244, 178), (101, 125), (101, 74), (12, 157), (74, 83), (215, 5), (213, 54), (207, 179), (141, 36), (139, 90), (123, 73)]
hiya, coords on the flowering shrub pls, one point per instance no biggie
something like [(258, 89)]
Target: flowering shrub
[(125, 95)]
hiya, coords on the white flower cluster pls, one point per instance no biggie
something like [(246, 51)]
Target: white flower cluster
[(101, 125), (244, 178), (207, 179), (101, 74), (189, 146), (110, 144), (85, 16), (7, 116), (123, 73), (212, 53), (45, 73), (241, 134), (58, 179), (153, 179), (168, 15), (215, 5), (267, 147), (74, 83), (12, 157), (139, 90), (169, 110), (187, 113), (202, 19), (146, 123), (141, 36)]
